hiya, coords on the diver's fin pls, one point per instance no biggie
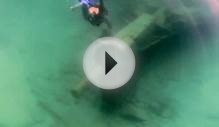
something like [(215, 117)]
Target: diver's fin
[(75, 6)]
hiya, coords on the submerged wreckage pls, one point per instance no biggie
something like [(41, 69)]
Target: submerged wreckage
[(145, 31)]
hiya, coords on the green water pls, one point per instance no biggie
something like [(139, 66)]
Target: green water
[(41, 47)]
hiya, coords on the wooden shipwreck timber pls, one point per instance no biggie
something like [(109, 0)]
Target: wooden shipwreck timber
[(143, 33)]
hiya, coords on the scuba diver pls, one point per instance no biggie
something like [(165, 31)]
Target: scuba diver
[(94, 12)]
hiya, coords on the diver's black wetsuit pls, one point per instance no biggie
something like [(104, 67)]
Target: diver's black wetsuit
[(96, 19)]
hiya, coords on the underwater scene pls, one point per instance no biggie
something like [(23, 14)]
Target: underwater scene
[(176, 80)]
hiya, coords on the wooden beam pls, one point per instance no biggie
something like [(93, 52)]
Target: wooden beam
[(129, 34)]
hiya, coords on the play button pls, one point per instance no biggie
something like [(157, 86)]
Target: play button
[(109, 63)]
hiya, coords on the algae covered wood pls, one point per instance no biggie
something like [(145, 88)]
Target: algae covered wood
[(147, 30), (135, 28), (128, 34)]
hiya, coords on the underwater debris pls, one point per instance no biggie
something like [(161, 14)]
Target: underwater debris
[(132, 32), (78, 89), (144, 32)]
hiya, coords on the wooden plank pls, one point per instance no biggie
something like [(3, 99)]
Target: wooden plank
[(135, 28), (128, 34)]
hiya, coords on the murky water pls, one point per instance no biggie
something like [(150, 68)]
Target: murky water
[(41, 48)]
